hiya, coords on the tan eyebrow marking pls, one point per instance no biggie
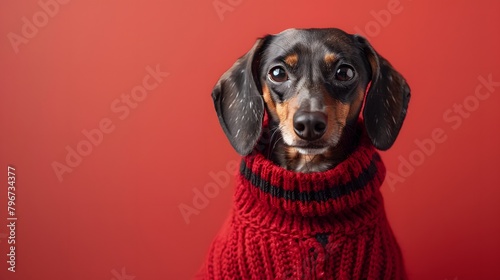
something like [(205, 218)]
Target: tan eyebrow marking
[(292, 59), (329, 58)]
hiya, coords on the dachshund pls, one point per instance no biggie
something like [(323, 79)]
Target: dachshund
[(307, 203)]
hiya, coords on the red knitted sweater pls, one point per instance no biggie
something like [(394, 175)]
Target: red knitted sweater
[(320, 225)]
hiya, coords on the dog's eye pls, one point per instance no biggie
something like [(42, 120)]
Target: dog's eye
[(344, 73), (278, 74)]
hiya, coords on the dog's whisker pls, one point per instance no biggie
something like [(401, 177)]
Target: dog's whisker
[(274, 145)]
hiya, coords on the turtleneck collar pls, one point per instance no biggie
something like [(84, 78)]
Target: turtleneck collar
[(269, 191)]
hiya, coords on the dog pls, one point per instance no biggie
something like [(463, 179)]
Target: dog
[(310, 175)]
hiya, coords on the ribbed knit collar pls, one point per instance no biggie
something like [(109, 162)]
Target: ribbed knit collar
[(350, 188)]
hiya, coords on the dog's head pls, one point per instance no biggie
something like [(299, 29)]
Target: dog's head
[(312, 83)]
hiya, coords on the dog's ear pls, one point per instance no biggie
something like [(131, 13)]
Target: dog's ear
[(238, 100), (387, 99)]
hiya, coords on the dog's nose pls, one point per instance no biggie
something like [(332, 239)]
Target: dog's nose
[(309, 125)]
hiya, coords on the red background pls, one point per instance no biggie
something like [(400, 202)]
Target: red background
[(119, 208)]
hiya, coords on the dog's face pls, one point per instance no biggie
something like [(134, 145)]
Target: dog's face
[(312, 83)]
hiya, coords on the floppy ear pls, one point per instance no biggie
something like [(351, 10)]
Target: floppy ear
[(387, 99), (238, 101)]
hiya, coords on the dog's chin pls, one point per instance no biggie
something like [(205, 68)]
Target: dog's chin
[(311, 151), (315, 148)]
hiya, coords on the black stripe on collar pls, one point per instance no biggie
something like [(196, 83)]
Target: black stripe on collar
[(333, 192)]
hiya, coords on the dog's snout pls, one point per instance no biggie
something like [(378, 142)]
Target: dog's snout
[(309, 125)]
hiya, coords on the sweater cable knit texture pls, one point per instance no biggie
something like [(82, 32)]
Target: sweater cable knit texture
[(320, 225)]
